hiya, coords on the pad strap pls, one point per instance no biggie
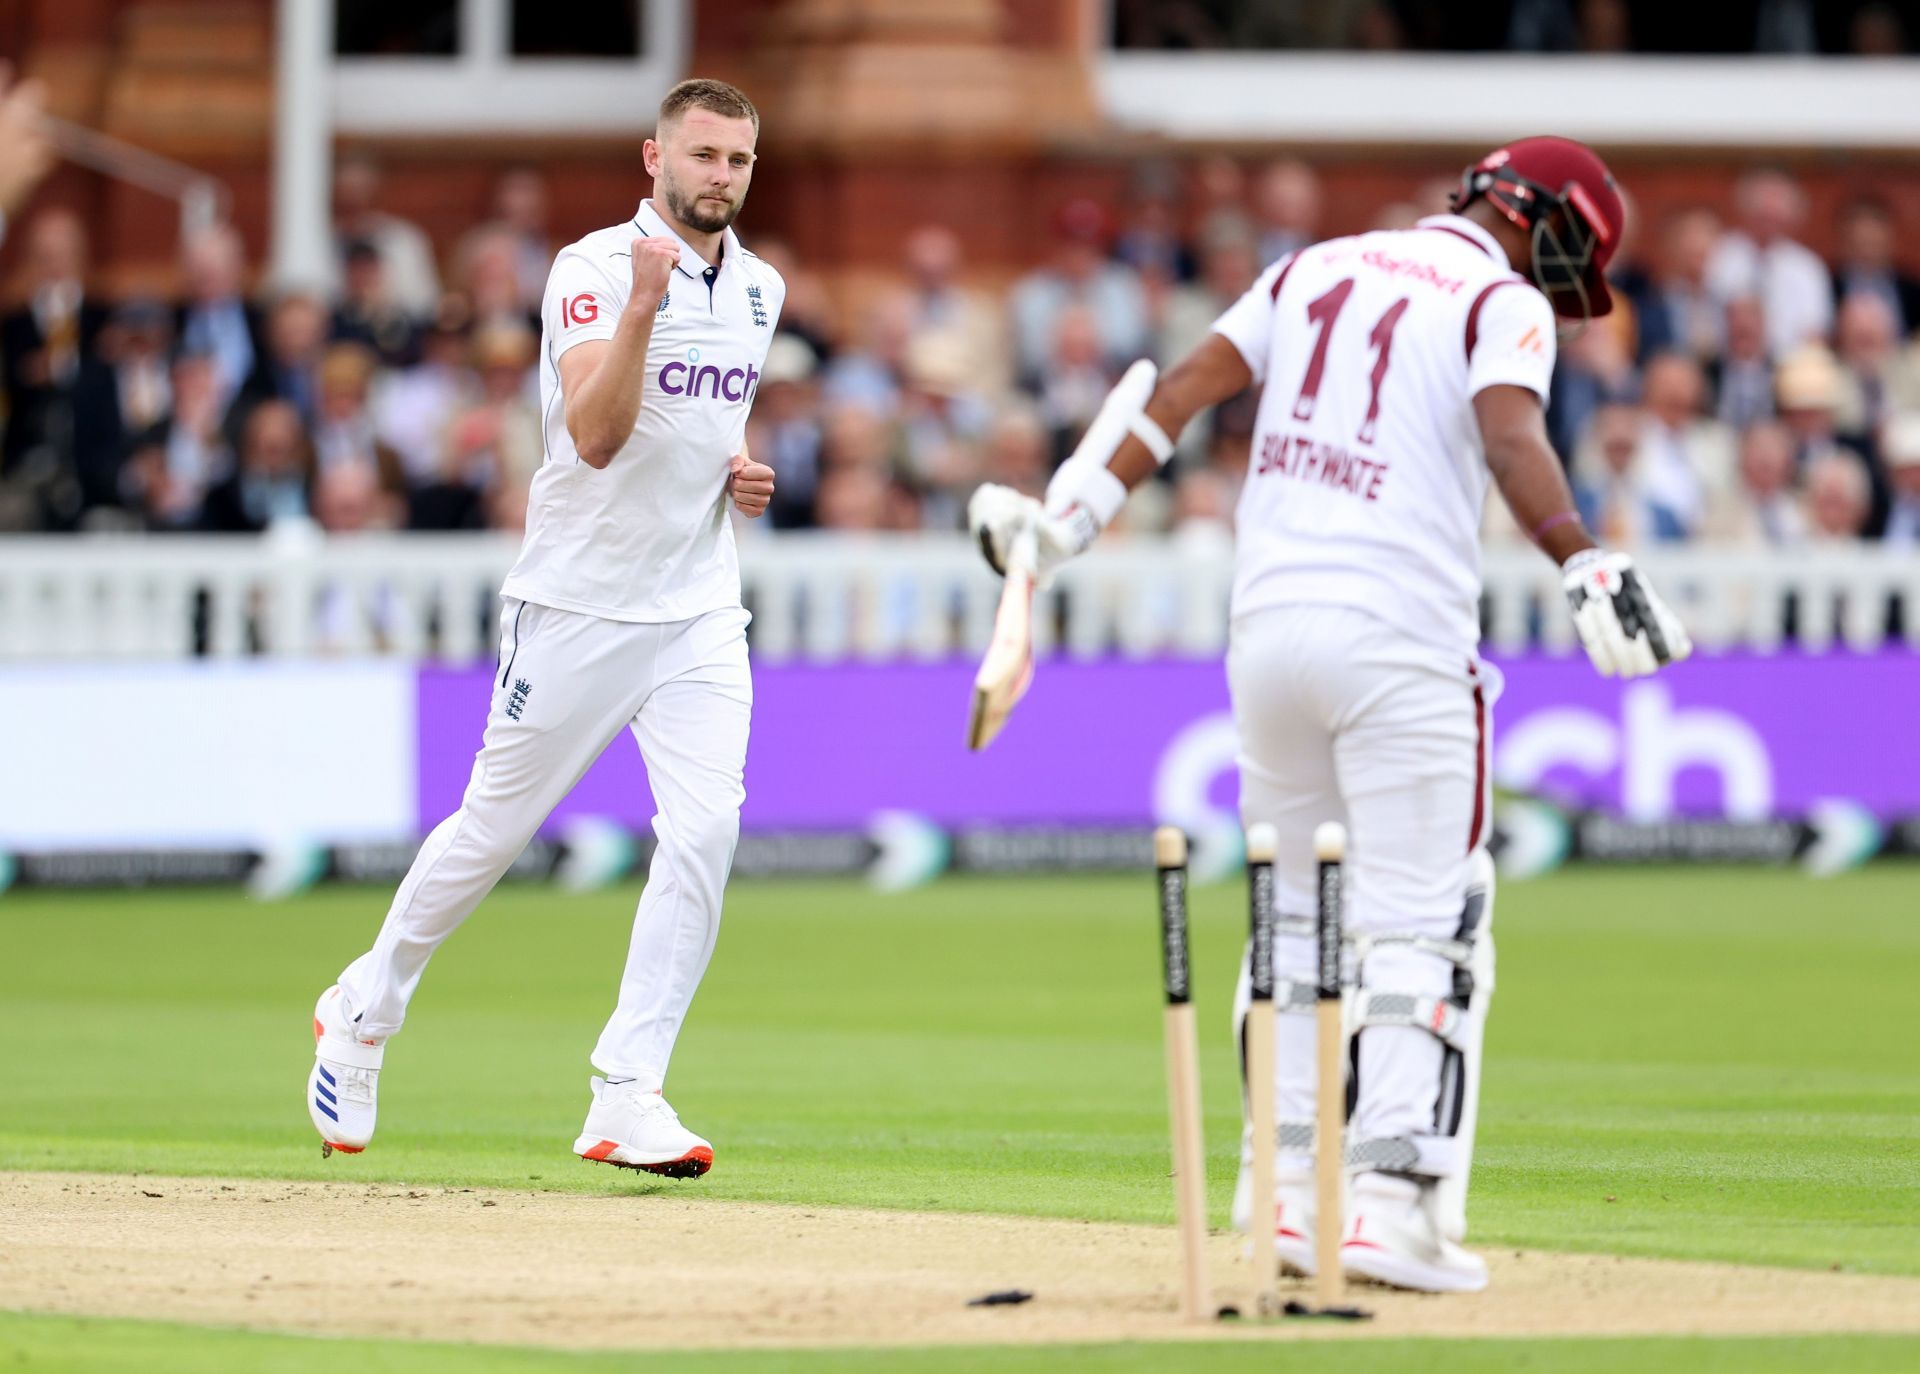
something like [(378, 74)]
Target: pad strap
[(1386, 1154), (1440, 1017), (1459, 953), (1294, 995)]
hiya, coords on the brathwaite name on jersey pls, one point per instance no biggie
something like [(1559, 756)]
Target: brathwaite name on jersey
[(1315, 460)]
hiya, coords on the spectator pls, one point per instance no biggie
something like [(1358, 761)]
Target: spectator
[(349, 499), (520, 217), (1762, 259), (1220, 198), (1150, 240), (855, 496), (1686, 460), (1593, 370), (345, 435), (368, 312), (412, 280), (942, 422), (941, 305), (495, 442), (1807, 387), (784, 429), (296, 337), (412, 408), (1866, 266), (490, 278), (1019, 452), (1229, 262), (1900, 448), (1839, 498), (216, 321), (1677, 312), (44, 343), (1763, 511), (870, 375), (1079, 275), (119, 400), (1607, 484), (1077, 379), (167, 477), (1287, 201), (1876, 378), (1743, 378), (50, 375), (137, 345), (270, 481), (855, 436), (26, 153)]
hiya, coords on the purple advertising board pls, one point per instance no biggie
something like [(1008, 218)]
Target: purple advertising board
[(1123, 743)]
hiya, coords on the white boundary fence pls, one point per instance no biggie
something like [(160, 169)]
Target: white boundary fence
[(825, 597)]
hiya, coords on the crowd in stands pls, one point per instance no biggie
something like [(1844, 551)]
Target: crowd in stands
[(1798, 28), (1744, 392)]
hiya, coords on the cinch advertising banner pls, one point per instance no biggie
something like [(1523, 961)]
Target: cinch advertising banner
[(1739, 736)]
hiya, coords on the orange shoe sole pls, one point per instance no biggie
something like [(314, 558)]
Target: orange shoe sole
[(690, 1165)]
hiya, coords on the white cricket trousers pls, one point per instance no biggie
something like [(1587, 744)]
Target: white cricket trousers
[(568, 684), (1344, 718)]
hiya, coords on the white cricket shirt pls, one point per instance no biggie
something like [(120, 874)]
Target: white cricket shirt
[(1367, 476), (646, 538)]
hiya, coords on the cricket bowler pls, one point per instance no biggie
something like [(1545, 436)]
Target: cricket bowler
[(1401, 372), (623, 612)]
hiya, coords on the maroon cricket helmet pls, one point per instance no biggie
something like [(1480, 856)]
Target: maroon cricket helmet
[(1562, 194)]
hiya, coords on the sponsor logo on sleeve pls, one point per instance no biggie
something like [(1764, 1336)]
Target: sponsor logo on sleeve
[(581, 309)]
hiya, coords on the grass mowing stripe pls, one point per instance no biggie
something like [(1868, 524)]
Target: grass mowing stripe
[(68, 1345)]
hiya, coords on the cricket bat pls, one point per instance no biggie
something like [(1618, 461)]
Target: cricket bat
[(1007, 669)]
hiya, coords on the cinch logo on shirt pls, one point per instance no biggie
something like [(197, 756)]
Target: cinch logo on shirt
[(695, 378)]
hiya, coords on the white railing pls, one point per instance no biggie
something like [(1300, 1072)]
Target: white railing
[(822, 597)]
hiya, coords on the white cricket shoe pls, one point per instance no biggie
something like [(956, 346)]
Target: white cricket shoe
[(341, 1090), (1294, 1209), (634, 1128), (1393, 1239)]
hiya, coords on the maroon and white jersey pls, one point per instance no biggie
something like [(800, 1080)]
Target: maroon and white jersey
[(1367, 476)]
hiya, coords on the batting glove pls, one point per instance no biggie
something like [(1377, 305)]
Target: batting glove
[(998, 515), (1627, 630)]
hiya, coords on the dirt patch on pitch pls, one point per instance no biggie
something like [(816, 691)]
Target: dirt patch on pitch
[(656, 1266)]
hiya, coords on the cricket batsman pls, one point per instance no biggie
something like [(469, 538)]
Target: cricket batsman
[(622, 613), (1401, 372)]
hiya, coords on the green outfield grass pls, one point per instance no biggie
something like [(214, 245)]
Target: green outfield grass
[(63, 1345), (1711, 1063)]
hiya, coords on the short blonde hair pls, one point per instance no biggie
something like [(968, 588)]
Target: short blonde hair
[(703, 93)]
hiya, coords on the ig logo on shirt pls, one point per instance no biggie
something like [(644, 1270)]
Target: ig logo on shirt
[(580, 309)]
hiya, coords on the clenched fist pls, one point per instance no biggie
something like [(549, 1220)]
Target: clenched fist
[(750, 484), (653, 262)]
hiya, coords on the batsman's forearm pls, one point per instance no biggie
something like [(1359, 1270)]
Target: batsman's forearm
[(1212, 372), (1133, 462), (1536, 491), (601, 414)]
